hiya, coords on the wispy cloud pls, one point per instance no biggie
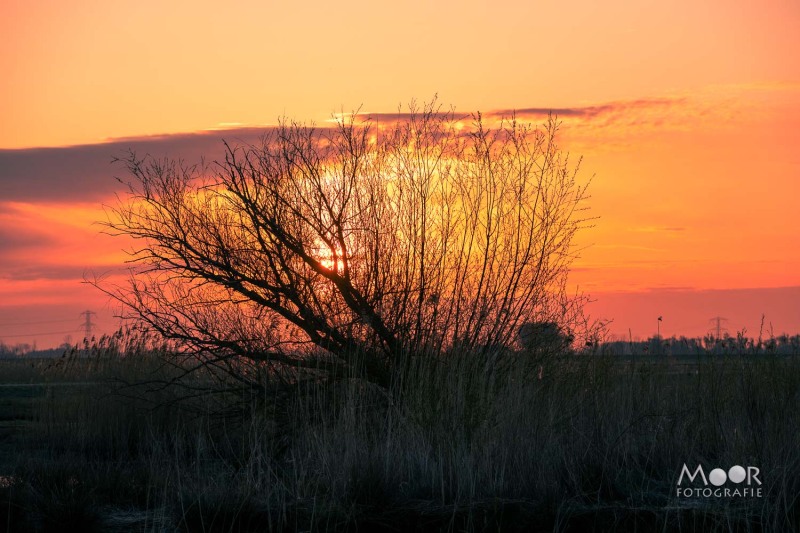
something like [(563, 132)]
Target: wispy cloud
[(29, 270), (538, 113), (628, 247), (610, 109), (15, 238), (669, 288), (390, 118), (52, 241), (658, 229)]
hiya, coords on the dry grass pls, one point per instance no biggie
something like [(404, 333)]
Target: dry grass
[(594, 444)]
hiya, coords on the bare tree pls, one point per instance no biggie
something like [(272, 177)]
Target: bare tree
[(341, 247)]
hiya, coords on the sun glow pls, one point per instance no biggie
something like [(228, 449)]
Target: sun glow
[(330, 258)]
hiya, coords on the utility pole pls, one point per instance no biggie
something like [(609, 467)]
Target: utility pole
[(88, 324), (717, 322)]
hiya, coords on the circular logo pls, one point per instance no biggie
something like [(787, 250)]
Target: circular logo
[(717, 477)]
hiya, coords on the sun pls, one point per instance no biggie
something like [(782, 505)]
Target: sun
[(330, 258)]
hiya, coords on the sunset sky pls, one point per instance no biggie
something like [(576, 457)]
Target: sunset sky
[(686, 114)]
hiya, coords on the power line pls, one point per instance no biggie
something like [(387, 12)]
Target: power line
[(87, 326), (37, 334), (4, 324)]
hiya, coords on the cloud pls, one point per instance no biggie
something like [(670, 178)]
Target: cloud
[(85, 173), (611, 125), (31, 270), (658, 229), (20, 238), (619, 108), (538, 113), (366, 117), (52, 241), (669, 288), (628, 247)]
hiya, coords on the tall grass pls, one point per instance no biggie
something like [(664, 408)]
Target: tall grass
[(469, 442)]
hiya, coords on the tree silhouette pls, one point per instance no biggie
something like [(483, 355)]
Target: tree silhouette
[(331, 249), (544, 338)]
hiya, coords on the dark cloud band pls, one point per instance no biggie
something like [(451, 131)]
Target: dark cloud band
[(85, 173)]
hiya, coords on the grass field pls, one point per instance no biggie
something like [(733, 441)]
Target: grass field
[(594, 444)]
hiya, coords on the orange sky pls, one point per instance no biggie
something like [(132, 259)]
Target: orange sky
[(688, 117)]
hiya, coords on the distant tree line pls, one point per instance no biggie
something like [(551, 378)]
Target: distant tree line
[(24, 349), (725, 345)]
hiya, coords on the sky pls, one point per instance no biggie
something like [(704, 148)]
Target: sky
[(686, 115)]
